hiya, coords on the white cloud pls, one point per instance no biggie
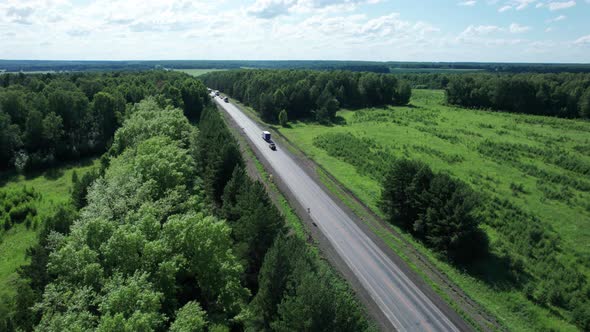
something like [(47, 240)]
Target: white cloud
[(20, 15), (270, 8), (543, 46), (479, 30), (556, 19), (78, 32), (560, 5), (301, 29), (583, 40), (521, 4), (517, 28), (549, 29), (514, 4), (469, 3)]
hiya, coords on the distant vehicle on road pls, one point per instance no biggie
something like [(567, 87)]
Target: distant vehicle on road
[(217, 93), (272, 146), (226, 100), (266, 136)]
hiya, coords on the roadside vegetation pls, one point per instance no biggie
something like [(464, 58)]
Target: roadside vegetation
[(523, 179), (169, 232)]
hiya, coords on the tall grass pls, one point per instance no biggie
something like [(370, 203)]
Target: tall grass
[(533, 171)]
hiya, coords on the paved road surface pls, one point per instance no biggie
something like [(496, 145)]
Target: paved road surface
[(401, 301)]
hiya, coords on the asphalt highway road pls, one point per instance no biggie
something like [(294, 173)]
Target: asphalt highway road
[(402, 302)]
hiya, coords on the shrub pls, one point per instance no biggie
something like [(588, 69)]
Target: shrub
[(283, 119), (20, 212)]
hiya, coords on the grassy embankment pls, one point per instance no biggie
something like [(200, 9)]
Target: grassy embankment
[(537, 163), (54, 186)]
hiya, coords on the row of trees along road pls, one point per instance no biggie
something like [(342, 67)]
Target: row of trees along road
[(172, 234), (308, 94), (47, 118), (561, 94)]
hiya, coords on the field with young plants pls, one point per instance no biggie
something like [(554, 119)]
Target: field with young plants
[(533, 176)]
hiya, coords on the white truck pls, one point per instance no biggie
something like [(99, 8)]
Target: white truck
[(266, 136)]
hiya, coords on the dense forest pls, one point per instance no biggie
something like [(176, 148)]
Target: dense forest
[(564, 95), (497, 67), (308, 94), (44, 65), (171, 233), (369, 66), (49, 118)]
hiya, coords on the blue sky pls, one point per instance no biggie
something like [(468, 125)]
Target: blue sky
[(382, 30)]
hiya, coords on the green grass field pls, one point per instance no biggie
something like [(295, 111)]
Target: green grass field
[(541, 165), (198, 72), (54, 186)]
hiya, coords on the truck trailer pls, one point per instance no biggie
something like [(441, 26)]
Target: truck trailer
[(266, 136)]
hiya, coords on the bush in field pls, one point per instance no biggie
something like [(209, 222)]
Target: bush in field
[(18, 206), (283, 119)]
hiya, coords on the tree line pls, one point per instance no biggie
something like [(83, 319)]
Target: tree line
[(305, 94), (48, 118), (564, 95), (502, 67), (61, 65), (371, 66), (171, 233)]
